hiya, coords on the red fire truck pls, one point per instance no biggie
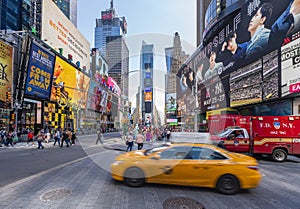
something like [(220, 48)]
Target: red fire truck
[(276, 136)]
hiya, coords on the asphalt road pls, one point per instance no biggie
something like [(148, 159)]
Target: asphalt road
[(81, 179), (21, 162)]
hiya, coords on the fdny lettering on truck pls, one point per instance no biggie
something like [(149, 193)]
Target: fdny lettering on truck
[(296, 140)]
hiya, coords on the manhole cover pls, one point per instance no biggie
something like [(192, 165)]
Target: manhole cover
[(182, 203), (55, 195)]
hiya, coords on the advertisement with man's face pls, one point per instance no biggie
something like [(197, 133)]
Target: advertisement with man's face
[(6, 69), (64, 82), (40, 71), (81, 89), (258, 27)]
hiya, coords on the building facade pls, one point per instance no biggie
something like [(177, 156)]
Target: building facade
[(109, 39), (146, 82), (175, 57), (15, 15)]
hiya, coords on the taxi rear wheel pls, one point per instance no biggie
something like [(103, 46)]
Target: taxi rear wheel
[(228, 184), (134, 177)]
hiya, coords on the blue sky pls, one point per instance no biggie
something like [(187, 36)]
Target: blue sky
[(154, 21)]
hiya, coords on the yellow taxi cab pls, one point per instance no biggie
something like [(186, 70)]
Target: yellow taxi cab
[(188, 164)]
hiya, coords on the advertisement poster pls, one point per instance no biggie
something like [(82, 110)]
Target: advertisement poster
[(171, 104), (290, 68), (40, 72), (6, 80), (81, 89), (95, 97), (244, 36), (64, 82)]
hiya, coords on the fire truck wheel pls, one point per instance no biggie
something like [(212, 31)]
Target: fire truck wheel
[(279, 155), (228, 184)]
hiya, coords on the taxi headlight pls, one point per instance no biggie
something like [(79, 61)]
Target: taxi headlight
[(117, 162)]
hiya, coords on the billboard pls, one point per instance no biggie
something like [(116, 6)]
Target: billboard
[(171, 104), (39, 73), (97, 97), (290, 65), (148, 96), (255, 29), (59, 32), (6, 75), (64, 82), (81, 89), (242, 52)]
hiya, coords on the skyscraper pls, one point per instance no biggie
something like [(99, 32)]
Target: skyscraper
[(146, 62), (69, 8), (15, 15), (108, 25), (175, 57), (109, 39)]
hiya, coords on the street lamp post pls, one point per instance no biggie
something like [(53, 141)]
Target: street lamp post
[(17, 106)]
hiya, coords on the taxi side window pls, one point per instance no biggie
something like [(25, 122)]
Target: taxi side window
[(176, 153), (209, 154)]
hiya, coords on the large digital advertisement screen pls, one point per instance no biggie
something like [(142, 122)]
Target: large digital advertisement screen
[(290, 68), (39, 73), (59, 32), (249, 56), (69, 85), (6, 75)]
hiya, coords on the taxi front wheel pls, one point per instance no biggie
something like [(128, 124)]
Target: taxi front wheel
[(228, 184), (134, 177)]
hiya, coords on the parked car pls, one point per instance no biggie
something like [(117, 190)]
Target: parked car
[(188, 164)]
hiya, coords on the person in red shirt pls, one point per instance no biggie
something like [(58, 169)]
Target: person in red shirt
[(30, 137)]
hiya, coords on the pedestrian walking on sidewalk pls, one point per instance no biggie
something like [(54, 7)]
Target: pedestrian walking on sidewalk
[(129, 141), (140, 140), (30, 137), (148, 135), (73, 137), (40, 138), (65, 138), (99, 137), (47, 136), (57, 137), (9, 139)]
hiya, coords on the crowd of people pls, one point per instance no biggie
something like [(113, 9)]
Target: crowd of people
[(9, 138), (145, 134)]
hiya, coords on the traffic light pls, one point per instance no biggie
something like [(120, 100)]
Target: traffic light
[(8, 99), (61, 51)]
